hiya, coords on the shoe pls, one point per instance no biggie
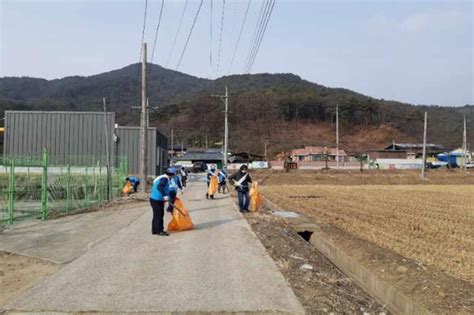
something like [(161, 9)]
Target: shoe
[(212, 196), (246, 210), (164, 233), (207, 196)]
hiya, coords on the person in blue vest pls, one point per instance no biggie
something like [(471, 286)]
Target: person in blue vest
[(222, 181), (160, 193), (175, 184), (135, 181), (210, 173)]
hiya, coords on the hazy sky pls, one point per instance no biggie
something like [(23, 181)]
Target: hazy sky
[(413, 51)]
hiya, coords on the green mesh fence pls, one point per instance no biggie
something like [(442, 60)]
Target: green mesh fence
[(45, 187)]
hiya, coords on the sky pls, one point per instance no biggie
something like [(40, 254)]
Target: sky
[(419, 52)]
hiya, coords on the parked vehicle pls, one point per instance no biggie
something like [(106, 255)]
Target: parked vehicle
[(199, 167)]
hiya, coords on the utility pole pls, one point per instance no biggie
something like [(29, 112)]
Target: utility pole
[(337, 137), (172, 146), (424, 147), (107, 150), (143, 123), (225, 99), (464, 145), (266, 159), (226, 127)]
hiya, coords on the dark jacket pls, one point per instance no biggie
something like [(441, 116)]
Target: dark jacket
[(246, 183)]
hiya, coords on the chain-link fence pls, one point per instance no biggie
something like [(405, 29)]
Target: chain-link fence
[(47, 186)]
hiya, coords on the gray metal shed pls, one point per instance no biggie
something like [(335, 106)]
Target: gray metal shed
[(128, 144), (70, 137)]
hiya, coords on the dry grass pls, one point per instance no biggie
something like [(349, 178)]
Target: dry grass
[(368, 177), (433, 224)]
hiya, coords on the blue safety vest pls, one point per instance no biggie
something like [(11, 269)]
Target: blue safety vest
[(157, 195), (175, 183)]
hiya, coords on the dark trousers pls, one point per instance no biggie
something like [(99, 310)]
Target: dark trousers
[(135, 187), (172, 199), (244, 199), (158, 214)]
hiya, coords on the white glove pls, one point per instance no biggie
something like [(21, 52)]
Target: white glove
[(166, 198)]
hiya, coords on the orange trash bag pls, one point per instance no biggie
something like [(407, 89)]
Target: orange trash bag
[(213, 184), (180, 221), (256, 199), (127, 189)]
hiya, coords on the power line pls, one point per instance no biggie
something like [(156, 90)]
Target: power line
[(189, 36), (261, 36), (210, 44), (177, 33), (143, 30), (256, 31), (156, 31), (240, 35), (220, 38)]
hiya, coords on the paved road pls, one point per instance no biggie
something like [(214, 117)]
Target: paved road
[(219, 267)]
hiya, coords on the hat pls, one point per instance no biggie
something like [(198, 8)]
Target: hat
[(171, 171)]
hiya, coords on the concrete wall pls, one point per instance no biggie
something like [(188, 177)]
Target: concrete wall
[(70, 137)]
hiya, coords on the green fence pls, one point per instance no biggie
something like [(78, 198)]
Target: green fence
[(32, 187)]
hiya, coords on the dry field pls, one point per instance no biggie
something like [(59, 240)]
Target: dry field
[(432, 224)]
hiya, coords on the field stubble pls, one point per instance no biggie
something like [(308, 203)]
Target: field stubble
[(432, 224)]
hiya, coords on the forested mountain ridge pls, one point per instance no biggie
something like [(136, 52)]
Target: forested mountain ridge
[(280, 109)]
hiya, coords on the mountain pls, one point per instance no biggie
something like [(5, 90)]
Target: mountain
[(280, 109)]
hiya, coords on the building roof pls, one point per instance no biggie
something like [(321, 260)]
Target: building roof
[(201, 156), (413, 146), (317, 151)]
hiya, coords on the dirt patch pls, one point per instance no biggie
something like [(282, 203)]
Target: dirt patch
[(368, 177), (318, 284), (431, 224), (20, 273)]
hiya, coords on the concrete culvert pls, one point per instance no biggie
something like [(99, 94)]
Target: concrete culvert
[(306, 235)]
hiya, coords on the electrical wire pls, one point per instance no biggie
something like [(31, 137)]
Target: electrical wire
[(220, 38), (189, 35), (261, 37), (259, 33), (210, 44), (157, 29), (240, 35), (177, 33), (256, 31)]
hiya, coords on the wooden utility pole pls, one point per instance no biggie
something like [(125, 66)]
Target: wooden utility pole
[(226, 126), (172, 146), (225, 99), (107, 151), (424, 147), (337, 137), (143, 123), (464, 145)]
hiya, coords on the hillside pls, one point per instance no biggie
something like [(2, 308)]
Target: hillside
[(280, 109)]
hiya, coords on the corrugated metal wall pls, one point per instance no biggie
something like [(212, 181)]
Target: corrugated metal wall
[(64, 134), (129, 145)]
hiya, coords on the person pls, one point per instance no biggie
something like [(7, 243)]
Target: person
[(242, 182), (160, 193), (175, 184), (184, 175), (210, 173), (135, 181), (222, 180)]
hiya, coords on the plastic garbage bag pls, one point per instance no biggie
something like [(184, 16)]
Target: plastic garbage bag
[(181, 220), (213, 185), (256, 199), (127, 189)]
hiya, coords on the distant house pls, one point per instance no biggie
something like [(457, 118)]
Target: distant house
[(177, 150), (245, 157), (317, 154), (412, 150)]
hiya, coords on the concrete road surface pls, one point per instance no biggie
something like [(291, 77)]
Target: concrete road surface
[(220, 266)]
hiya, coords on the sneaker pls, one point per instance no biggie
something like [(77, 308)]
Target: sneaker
[(207, 196), (164, 233)]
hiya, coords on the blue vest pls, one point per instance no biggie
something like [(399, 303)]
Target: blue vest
[(174, 183), (133, 179), (155, 193)]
